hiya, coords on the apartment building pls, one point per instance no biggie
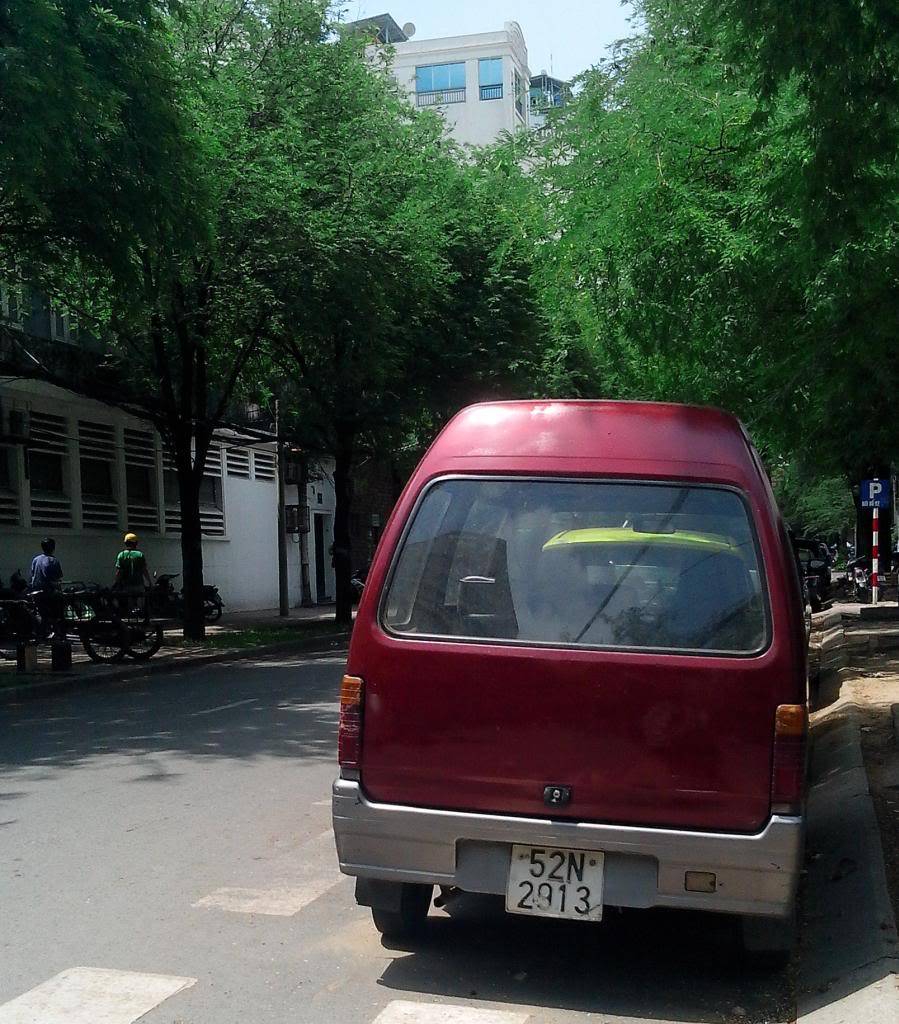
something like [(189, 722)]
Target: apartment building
[(480, 83)]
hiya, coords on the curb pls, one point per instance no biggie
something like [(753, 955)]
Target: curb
[(52, 687), (850, 957)]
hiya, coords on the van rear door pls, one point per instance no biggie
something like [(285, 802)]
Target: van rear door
[(610, 637)]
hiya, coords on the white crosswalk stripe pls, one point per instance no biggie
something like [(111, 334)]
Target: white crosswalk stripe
[(271, 902), (312, 870), (92, 995), (403, 1011)]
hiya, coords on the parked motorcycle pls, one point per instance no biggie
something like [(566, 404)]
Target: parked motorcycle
[(165, 601), (858, 575), (18, 619), (357, 582), (17, 588)]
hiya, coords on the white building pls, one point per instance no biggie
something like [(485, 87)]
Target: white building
[(480, 83), (85, 473)]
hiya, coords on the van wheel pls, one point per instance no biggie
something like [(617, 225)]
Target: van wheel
[(408, 921), (768, 942)]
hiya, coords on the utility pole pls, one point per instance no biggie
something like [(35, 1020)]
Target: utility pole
[(305, 526), (283, 598)]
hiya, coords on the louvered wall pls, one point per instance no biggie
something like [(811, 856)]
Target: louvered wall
[(212, 520), (97, 441), (265, 465), (140, 450), (9, 509), (49, 434), (238, 460)]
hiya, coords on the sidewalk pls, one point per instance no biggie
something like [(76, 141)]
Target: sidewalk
[(848, 973), (848, 955), (236, 635)]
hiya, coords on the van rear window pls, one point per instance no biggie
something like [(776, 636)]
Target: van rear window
[(592, 564)]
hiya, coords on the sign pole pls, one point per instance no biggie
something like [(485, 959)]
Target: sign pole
[(875, 553)]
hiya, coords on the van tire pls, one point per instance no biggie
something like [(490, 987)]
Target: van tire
[(408, 921), (769, 942)]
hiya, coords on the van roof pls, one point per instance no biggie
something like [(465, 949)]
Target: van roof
[(652, 439)]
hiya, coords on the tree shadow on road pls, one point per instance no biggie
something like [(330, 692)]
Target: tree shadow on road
[(241, 711)]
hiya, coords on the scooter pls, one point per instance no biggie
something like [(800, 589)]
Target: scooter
[(164, 600), (859, 577)]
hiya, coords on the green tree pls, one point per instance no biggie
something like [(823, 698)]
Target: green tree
[(654, 258), (717, 235), (413, 300), (828, 77), (93, 151)]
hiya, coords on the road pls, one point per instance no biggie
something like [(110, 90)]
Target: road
[(165, 847)]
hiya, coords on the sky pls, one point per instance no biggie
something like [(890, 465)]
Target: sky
[(563, 36)]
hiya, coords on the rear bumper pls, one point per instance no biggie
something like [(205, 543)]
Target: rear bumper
[(645, 867)]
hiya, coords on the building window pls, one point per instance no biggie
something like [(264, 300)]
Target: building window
[(9, 502), (440, 83), (238, 462), (99, 504), (96, 478), (211, 492), (6, 474), (490, 78), (46, 472), (265, 465), (38, 322), (11, 304), (212, 517), (139, 481), (519, 94)]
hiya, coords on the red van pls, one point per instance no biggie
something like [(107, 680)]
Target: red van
[(578, 674)]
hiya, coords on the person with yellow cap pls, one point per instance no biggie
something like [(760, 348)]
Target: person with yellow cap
[(131, 567)]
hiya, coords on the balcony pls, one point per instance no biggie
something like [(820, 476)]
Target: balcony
[(492, 92), (439, 97)]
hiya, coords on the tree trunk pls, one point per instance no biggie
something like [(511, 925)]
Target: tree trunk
[(343, 553), (191, 551)]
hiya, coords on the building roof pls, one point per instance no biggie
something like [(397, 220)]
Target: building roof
[(383, 28)]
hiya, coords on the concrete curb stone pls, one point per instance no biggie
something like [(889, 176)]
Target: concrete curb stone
[(169, 665), (848, 970)]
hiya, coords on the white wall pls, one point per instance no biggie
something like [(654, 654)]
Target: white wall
[(321, 498), (475, 122), (243, 563)]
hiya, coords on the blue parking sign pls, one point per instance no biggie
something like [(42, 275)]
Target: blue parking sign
[(875, 494)]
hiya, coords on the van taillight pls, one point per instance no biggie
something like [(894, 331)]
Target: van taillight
[(788, 774), (349, 731)]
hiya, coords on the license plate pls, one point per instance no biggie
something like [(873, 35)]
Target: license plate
[(548, 882)]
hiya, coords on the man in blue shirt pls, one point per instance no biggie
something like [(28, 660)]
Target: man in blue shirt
[(46, 572)]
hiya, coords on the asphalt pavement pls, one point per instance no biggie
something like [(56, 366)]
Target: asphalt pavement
[(166, 853)]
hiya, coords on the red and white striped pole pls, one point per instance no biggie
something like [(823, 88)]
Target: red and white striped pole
[(875, 553)]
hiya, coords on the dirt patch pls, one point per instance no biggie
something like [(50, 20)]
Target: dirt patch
[(874, 687)]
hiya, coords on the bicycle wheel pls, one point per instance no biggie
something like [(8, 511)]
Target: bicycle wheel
[(105, 642), (144, 641)]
